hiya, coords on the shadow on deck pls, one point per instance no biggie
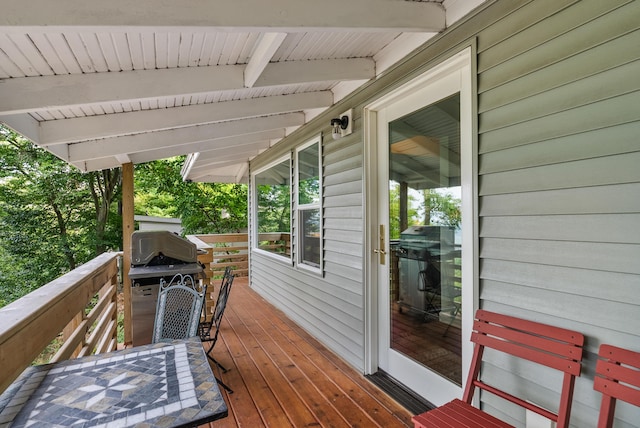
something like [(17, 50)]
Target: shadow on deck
[(281, 376)]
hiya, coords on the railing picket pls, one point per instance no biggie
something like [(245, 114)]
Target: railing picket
[(29, 324)]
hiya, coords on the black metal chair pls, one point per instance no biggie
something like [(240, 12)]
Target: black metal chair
[(209, 330), (430, 285), (178, 309), (439, 296)]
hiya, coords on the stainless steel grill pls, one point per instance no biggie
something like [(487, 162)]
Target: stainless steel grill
[(420, 253), (156, 255)]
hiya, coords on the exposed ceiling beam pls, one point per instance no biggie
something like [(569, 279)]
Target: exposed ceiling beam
[(238, 175), (238, 154), (228, 15), (25, 94), (154, 140), (244, 167), (200, 170), (188, 164), (206, 169), (322, 70), (243, 148), (23, 124), (233, 173), (62, 152), (123, 158), (219, 145), (112, 125), (198, 173), (403, 131), (97, 164), (262, 54), (243, 151)]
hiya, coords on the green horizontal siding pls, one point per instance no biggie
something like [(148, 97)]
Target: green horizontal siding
[(558, 189), (559, 184), (329, 306)]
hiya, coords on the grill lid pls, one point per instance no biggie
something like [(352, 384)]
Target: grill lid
[(140, 272), (161, 247)]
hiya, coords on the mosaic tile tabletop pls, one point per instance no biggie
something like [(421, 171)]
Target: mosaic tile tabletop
[(159, 385)]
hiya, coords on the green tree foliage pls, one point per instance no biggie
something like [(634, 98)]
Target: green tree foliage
[(437, 207), (274, 206), (413, 216), (52, 216), (202, 207), (105, 187), (274, 198), (441, 208)]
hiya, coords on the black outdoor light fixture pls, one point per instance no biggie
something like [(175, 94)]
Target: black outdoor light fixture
[(338, 125)]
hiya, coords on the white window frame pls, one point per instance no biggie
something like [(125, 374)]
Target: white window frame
[(299, 208), (254, 220)]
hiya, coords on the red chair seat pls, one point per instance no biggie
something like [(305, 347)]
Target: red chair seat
[(457, 414), (550, 346)]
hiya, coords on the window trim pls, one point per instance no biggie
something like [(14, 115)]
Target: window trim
[(298, 208), (254, 221)]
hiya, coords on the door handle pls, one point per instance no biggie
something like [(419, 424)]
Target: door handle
[(381, 246)]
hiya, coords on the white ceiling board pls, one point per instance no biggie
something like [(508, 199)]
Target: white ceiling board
[(218, 145), (154, 140), (52, 92), (98, 87), (102, 126)]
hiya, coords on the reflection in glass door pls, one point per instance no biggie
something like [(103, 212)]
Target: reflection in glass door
[(425, 218)]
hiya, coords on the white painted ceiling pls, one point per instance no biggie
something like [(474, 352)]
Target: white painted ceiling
[(101, 83)]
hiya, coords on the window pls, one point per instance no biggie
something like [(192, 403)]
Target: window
[(273, 208), (308, 204), (274, 230)]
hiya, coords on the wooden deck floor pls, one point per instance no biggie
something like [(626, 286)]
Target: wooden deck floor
[(281, 376), (429, 342)]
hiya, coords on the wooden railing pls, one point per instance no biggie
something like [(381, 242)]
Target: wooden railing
[(226, 249), (79, 309), (222, 250), (275, 242), (232, 250)]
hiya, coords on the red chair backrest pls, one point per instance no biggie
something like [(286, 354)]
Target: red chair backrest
[(617, 378), (544, 344)]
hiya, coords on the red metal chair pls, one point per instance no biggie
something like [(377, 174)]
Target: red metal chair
[(547, 345), (617, 378)]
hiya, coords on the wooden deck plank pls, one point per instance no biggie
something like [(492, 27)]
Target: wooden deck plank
[(296, 411), (283, 355), (282, 376), (252, 381), (242, 409), (347, 396)]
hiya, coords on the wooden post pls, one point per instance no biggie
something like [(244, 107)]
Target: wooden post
[(404, 208), (127, 229)]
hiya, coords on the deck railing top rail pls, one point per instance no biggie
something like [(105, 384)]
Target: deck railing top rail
[(29, 324)]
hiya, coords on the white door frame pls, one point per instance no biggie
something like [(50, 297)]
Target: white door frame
[(462, 64)]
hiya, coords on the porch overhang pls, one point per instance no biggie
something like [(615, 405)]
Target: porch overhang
[(101, 85)]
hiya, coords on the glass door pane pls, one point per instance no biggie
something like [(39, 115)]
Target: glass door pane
[(425, 234)]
